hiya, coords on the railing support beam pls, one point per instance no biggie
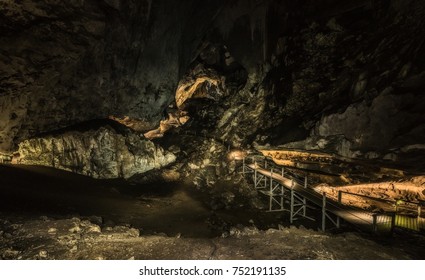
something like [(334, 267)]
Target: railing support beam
[(324, 212)]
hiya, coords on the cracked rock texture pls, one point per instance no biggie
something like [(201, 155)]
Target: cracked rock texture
[(344, 77), (99, 153), (62, 63)]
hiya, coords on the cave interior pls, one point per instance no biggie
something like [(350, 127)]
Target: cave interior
[(166, 129)]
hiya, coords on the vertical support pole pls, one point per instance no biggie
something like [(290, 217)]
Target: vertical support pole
[(243, 165), (283, 171), (304, 207), (292, 203), (419, 216), (255, 178), (270, 201), (305, 181), (271, 180), (271, 190), (282, 193), (338, 219), (393, 217), (265, 163), (324, 212), (374, 222)]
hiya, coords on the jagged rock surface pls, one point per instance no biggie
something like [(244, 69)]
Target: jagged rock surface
[(101, 153), (347, 78), (62, 63), (349, 83)]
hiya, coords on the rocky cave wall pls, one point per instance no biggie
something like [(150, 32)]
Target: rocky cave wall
[(64, 62), (344, 77)]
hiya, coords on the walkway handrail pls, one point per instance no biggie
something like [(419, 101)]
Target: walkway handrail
[(302, 183)]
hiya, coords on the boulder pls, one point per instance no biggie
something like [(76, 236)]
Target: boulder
[(100, 153)]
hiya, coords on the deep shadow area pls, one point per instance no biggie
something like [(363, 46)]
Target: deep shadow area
[(172, 208), (34, 191)]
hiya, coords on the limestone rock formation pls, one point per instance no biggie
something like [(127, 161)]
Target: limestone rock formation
[(338, 76), (100, 153)]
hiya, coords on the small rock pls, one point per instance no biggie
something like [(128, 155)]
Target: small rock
[(107, 228), (52, 231), (74, 249), (174, 149), (193, 166), (43, 254), (131, 259), (93, 228), (75, 229), (271, 230), (10, 254), (178, 235)]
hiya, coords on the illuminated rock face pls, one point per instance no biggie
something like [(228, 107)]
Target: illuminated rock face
[(62, 63), (101, 153), (339, 76)]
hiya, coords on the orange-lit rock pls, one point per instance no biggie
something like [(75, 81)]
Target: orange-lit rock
[(236, 155), (133, 123)]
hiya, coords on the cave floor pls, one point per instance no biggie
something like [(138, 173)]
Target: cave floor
[(51, 214)]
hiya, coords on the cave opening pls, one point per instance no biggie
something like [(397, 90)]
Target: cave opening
[(239, 128)]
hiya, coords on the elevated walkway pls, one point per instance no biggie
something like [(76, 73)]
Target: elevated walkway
[(288, 192)]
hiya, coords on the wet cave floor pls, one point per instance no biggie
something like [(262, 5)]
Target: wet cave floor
[(40, 201)]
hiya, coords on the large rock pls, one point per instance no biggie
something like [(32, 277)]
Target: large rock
[(65, 62), (99, 153)]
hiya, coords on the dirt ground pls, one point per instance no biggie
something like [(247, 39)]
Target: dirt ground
[(49, 214), (74, 238)]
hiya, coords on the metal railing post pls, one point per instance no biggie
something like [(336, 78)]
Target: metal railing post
[(255, 178), (292, 203), (283, 171), (324, 212), (271, 180), (338, 219), (282, 193), (393, 217), (305, 182), (374, 222), (243, 165)]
